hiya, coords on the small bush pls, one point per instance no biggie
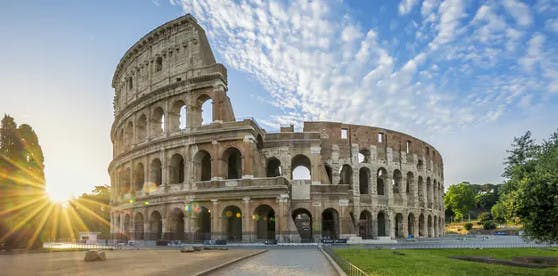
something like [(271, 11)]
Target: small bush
[(484, 217), (468, 226), (489, 225)]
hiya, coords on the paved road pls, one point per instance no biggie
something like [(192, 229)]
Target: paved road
[(279, 262)]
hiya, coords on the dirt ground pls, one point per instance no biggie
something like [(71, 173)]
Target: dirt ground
[(119, 262)]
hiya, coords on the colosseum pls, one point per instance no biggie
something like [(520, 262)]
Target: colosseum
[(177, 174)]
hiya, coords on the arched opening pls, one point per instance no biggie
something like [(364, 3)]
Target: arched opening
[(435, 227), (259, 142), (330, 224), (421, 189), (420, 165), (421, 225), (365, 225), (127, 224), (428, 192), (157, 122), (177, 116), (176, 225), (232, 223), (381, 224), (363, 180), (410, 182), (203, 231), (141, 128), (138, 226), (329, 172), (273, 167), (301, 167), (176, 169), (155, 226), (234, 163), (139, 177), (399, 231), (346, 175), (156, 172), (411, 225), (206, 109), (158, 64), (129, 133), (380, 181), (429, 226), (303, 221), (364, 156), (264, 217), (202, 166), (396, 181)]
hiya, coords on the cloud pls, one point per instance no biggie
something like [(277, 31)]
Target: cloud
[(405, 6), (450, 13), (519, 11)]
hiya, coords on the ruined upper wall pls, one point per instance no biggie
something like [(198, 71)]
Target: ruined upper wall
[(175, 51)]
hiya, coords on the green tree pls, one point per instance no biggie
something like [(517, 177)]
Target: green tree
[(498, 213), (460, 198)]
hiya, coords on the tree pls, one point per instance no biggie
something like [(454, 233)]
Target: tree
[(460, 198), (530, 193), (498, 213)]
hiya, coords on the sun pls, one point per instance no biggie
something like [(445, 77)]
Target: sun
[(57, 195)]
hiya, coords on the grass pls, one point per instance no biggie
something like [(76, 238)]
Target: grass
[(436, 261)]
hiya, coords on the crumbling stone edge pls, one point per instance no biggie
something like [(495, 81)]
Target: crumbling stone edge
[(212, 269), (337, 268)]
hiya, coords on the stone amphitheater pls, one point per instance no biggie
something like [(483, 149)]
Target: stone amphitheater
[(184, 168)]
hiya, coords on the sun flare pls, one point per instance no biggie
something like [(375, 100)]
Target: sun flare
[(58, 196)]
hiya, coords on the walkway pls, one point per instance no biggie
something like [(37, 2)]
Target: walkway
[(282, 261)]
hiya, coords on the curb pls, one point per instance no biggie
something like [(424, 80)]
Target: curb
[(212, 269), (340, 271)]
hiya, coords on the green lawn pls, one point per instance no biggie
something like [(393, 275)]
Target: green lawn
[(436, 261)]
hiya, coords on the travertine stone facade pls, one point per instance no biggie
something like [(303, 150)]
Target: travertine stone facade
[(175, 177)]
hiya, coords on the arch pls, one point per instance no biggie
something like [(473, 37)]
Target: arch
[(259, 142), (365, 225), (420, 165), (141, 128), (127, 224), (155, 226), (273, 168), (346, 175), (429, 229), (205, 104), (176, 169), (157, 122), (138, 226), (176, 224), (177, 116), (156, 172), (363, 180), (421, 225), (303, 221), (396, 181), (202, 166), (364, 156), (411, 225), (233, 159), (420, 188), (428, 192), (329, 173), (232, 223), (330, 224), (410, 181), (380, 181), (301, 167), (158, 64), (129, 134), (399, 231), (203, 221), (139, 177), (264, 217), (381, 224)]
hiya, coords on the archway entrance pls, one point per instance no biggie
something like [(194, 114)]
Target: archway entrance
[(303, 221), (176, 225), (399, 231), (155, 226), (138, 227), (411, 224), (232, 223), (203, 231), (365, 225), (381, 225), (330, 224), (264, 217)]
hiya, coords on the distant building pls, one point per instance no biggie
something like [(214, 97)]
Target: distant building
[(177, 177), (89, 237)]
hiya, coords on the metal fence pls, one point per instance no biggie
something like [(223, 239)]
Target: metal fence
[(69, 245), (349, 268)]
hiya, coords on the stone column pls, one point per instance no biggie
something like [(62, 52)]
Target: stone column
[(390, 221), (246, 224), (216, 231)]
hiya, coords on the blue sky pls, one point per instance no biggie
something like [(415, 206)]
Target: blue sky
[(465, 76)]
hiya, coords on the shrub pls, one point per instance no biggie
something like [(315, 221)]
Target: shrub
[(484, 217), (489, 225), (468, 226)]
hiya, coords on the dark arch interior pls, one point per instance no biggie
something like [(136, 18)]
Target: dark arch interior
[(264, 217), (303, 222), (330, 224)]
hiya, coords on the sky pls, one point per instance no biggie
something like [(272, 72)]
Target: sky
[(465, 76)]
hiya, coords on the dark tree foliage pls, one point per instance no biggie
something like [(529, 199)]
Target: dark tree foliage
[(530, 194), (460, 198), (21, 181)]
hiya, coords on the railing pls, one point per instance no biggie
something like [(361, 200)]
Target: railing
[(348, 267)]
